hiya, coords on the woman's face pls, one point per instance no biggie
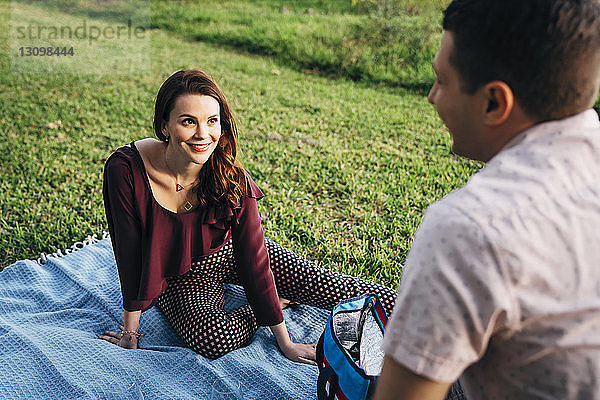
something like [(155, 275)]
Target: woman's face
[(194, 127)]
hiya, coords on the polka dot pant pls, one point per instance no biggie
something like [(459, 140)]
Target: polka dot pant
[(193, 303)]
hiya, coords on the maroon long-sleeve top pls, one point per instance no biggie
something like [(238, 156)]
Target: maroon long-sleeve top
[(151, 243)]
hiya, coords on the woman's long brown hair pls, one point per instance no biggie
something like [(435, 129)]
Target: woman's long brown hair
[(222, 180)]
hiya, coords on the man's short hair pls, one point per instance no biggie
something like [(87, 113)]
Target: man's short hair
[(547, 51)]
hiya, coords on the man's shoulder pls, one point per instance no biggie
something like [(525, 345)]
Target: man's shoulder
[(477, 200), (541, 167), (446, 221)]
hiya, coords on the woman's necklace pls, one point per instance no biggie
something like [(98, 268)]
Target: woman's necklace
[(179, 187)]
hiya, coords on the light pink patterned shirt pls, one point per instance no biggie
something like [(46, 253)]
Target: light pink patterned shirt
[(502, 284)]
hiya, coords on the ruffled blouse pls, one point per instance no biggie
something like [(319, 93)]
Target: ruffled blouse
[(151, 243)]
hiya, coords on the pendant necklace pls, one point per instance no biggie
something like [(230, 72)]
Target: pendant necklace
[(179, 187)]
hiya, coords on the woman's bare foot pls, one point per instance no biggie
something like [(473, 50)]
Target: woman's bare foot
[(285, 303)]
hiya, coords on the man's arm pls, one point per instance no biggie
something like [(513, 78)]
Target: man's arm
[(397, 382)]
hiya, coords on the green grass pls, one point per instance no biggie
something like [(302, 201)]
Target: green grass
[(348, 169), (377, 42), (361, 41), (394, 50)]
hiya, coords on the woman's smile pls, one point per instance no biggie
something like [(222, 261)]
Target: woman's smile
[(200, 147)]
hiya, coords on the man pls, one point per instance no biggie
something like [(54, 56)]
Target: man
[(502, 285)]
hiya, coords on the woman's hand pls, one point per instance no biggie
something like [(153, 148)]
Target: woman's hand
[(300, 352), (126, 341)]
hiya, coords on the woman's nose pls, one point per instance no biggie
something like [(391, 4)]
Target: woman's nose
[(202, 131)]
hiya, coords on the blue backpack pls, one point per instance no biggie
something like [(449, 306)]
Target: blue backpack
[(349, 353)]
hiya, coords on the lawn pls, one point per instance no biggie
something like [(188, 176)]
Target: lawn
[(348, 162)]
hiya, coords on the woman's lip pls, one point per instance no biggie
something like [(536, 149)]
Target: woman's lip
[(200, 148)]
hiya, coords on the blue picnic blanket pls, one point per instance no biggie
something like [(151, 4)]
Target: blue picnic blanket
[(51, 316)]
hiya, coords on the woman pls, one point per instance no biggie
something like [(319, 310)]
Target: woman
[(183, 219)]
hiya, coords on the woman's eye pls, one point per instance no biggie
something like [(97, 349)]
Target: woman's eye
[(213, 121), (188, 121)]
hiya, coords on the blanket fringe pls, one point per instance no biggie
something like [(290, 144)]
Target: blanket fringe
[(91, 239)]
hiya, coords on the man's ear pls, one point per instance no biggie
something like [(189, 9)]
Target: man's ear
[(499, 102)]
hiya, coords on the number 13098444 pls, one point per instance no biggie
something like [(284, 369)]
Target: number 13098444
[(45, 51)]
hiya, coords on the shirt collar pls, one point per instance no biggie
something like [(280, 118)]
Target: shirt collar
[(586, 120)]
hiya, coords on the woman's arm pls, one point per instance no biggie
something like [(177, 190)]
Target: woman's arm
[(253, 264), (298, 352), (126, 340), (124, 230), (132, 320), (256, 276)]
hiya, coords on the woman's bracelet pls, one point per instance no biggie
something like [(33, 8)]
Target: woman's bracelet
[(137, 333)]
